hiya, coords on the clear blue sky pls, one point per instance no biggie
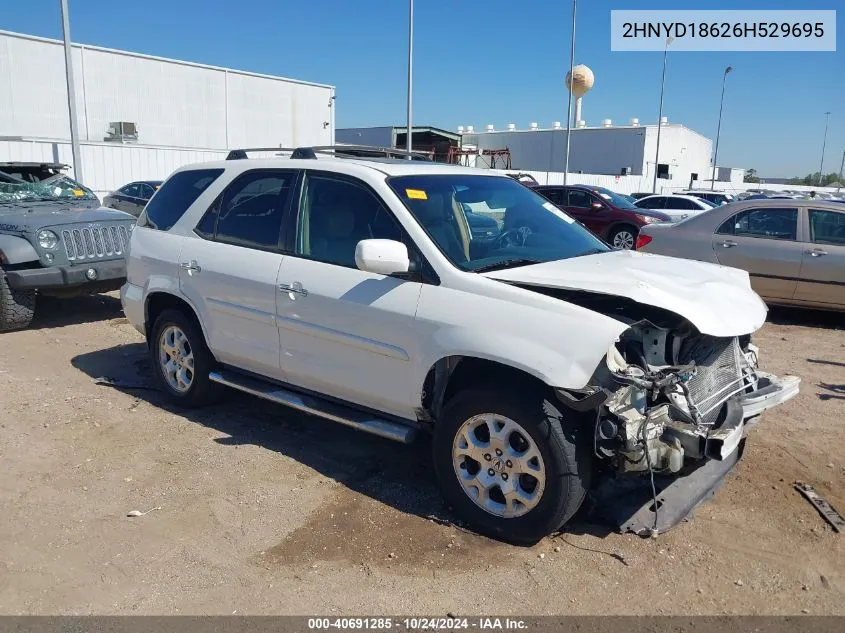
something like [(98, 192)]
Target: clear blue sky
[(487, 61)]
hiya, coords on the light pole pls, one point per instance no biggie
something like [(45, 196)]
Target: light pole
[(660, 115), (71, 94), (824, 142), (719, 130), (408, 134), (569, 108)]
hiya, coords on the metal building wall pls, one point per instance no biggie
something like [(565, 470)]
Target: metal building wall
[(173, 103)]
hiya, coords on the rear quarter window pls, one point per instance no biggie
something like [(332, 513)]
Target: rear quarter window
[(174, 197)]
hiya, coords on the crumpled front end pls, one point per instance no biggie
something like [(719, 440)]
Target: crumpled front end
[(672, 400)]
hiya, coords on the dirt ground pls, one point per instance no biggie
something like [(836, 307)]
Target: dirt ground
[(258, 510)]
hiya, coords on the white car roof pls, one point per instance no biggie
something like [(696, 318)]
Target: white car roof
[(676, 196)]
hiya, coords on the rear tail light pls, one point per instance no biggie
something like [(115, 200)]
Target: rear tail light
[(642, 240)]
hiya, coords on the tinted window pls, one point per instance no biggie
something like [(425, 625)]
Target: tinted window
[(579, 199), (250, 211), (680, 203), (776, 224), (130, 190), (335, 214), (827, 227), (145, 191), (657, 202), (175, 196), (554, 195)]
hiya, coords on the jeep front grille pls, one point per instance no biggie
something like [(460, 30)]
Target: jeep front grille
[(96, 242)]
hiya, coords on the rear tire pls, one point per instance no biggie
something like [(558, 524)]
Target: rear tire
[(17, 307), (623, 237), (561, 464), (181, 360)]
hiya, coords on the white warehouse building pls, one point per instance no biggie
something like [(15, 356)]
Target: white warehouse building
[(141, 117), (613, 150)]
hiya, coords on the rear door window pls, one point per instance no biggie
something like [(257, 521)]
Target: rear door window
[(175, 196), (579, 199), (827, 227), (769, 223), (657, 202), (131, 190)]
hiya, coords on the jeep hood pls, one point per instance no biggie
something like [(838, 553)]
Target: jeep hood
[(716, 299), (31, 216)]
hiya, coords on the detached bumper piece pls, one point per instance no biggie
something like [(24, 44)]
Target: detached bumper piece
[(627, 503), (107, 275)]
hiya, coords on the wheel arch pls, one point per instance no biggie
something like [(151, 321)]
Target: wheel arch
[(17, 250), (158, 301)]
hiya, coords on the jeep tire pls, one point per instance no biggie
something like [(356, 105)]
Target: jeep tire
[(543, 445), (17, 307)]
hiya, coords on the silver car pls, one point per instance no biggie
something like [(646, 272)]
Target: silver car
[(794, 250)]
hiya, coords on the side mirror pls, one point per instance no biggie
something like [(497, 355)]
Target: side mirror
[(383, 257), (596, 206)]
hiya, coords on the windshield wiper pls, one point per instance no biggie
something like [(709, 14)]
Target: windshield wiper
[(505, 263), (592, 251)]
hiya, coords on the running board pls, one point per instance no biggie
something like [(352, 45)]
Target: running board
[(316, 406)]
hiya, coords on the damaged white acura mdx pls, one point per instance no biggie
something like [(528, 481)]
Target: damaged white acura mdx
[(398, 296)]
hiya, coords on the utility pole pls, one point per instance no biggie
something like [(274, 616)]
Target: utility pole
[(569, 109), (841, 165), (660, 115), (719, 129), (71, 95), (824, 142), (409, 133)]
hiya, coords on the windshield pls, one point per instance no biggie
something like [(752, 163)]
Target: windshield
[(616, 199), (529, 229), (56, 188)]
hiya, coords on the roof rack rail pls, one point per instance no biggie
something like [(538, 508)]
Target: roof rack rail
[(339, 151), (240, 154)]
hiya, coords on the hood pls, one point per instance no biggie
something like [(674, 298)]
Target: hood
[(21, 217), (716, 299)]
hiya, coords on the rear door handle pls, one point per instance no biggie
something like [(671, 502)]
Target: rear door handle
[(816, 252), (728, 244), (191, 266), (295, 288)]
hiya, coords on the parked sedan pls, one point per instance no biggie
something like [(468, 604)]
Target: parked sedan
[(606, 213), (716, 197), (133, 197), (676, 206), (794, 250)]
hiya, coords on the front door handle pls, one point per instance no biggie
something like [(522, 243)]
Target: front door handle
[(816, 252), (191, 266), (295, 288), (728, 244)]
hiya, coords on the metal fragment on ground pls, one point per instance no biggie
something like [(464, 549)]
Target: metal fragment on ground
[(827, 511)]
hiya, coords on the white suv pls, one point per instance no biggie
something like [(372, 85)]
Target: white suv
[(545, 364)]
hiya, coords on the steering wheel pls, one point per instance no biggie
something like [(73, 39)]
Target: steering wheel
[(512, 237)]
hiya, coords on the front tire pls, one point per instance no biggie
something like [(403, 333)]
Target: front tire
[(623, 237), (17, 307), (181, 360), (509, 464)]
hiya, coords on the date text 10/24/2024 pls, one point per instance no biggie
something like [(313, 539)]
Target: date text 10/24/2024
[(418, 623)]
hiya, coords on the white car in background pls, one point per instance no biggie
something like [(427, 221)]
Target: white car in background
[(676, 206), (716, 197)]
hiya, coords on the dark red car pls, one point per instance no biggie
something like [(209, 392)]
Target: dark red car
[(607, 214)]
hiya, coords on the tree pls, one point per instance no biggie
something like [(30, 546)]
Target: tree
[(751, 176)]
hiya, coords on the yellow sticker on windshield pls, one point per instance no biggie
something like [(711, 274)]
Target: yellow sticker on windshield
[(78, 193), (416, 194)]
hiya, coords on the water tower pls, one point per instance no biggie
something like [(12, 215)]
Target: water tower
[(579, 84)]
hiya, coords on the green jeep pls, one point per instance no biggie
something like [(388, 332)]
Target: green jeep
[(55, 240)]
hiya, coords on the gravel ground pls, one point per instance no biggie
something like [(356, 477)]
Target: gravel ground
[(254, 509)]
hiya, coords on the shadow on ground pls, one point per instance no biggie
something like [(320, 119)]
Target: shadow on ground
[(828, 320), (400, 476), (51, 312)]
